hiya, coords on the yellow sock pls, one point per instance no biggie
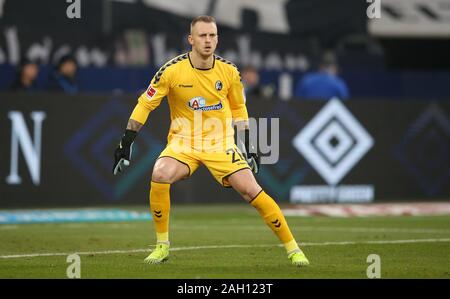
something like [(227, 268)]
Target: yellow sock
[(160, 208), (273, 217)]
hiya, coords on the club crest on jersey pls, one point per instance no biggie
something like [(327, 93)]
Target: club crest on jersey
[(199, 103), (219, 85), (150, 92)]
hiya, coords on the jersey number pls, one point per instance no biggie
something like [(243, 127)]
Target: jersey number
[(233, 153)]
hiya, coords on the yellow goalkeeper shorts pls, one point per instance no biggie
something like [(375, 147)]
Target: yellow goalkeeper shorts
[(221, 164)]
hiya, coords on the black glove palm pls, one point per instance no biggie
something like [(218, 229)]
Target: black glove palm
[(249, 150), (122, 154)]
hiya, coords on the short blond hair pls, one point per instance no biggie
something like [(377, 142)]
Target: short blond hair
[(203, 18)]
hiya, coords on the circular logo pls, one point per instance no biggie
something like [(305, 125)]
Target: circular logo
[(218, 85)]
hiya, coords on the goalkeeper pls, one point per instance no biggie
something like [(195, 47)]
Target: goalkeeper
[(202, 88)]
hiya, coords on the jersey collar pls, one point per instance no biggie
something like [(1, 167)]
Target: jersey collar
[(214, 62)]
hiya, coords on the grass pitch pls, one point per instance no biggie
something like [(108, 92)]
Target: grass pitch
[(230, 241)]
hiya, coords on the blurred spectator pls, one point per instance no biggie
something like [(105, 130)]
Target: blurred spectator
[(63, 78), (323, 84), (26, 77), (252, 86)]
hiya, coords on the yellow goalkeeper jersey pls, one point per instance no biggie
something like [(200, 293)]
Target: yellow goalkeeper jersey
[(203, 102)]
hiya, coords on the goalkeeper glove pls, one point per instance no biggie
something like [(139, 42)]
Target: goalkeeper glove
[(248, 150), (122, 154)]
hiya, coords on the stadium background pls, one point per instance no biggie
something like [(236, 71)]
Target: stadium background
[(401, 101)]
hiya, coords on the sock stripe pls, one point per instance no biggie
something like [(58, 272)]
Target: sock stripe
[(256, 196), (291, 247)]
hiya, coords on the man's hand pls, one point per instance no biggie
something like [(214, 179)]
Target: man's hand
[(122, 154), (248, 150), (253, 161)]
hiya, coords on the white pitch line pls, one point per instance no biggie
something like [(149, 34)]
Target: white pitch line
[(259, 227), (7, 226), (65, 253), (328, 229), (263, 227), (377, 242), (228, 246), (378, 230)]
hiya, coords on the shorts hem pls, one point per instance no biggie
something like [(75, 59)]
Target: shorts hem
[(189, 168), (227, 175)]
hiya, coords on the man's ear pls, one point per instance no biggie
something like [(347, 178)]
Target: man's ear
[(190, 39)]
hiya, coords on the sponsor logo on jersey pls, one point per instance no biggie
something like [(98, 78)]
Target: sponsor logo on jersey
[(219, 85), (199, 103), (186, 85), (150, 92)]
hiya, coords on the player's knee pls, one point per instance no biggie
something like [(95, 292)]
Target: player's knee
[(161, 175)]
